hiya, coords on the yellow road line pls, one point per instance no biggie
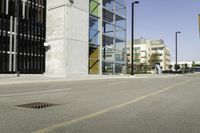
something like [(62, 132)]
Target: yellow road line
[(86, 117)]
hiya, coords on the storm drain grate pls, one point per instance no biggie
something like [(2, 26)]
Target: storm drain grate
[(37, 105)]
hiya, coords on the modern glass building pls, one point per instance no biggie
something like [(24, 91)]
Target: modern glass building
[(22, 36), (63, 38), (107, 37)]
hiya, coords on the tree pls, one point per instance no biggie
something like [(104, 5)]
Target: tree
[(194, 64), (154, 58), (136, 57), (170, 67), (177, 67)]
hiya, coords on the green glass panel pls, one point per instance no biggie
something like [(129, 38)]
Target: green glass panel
[(94, 60), (94, 5)]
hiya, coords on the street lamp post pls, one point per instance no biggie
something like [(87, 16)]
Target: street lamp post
[(132, 38), (176, 34)]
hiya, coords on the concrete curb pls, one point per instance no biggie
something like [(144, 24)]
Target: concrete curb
[(43, 79), (29, 81)]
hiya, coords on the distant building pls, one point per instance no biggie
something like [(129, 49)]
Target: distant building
[(158, 46), (143, 49)]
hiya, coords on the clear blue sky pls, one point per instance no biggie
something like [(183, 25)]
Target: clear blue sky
[(160, 19)]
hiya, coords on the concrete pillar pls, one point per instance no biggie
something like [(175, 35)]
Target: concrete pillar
[(67, 38)]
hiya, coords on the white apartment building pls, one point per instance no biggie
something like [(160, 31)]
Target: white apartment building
[(143, 49), (158, 46)]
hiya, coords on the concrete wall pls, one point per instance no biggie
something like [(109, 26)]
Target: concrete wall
[(67, 35)]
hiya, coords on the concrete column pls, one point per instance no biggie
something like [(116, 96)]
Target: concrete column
[(67, 37)]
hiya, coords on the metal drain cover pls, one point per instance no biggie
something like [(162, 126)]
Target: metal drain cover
[(37, 105)]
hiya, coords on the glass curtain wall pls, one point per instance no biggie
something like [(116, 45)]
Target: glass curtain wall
[(94, 37), (114, 37), (22, 36)]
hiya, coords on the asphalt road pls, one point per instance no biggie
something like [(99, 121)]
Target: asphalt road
[(145, 105)]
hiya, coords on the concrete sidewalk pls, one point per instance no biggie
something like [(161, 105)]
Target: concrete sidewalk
[(25, 79)]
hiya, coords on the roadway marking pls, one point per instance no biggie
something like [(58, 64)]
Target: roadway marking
[(101, 112), (118, 83), (37, 92)]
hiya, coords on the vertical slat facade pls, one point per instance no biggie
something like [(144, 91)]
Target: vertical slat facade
[(22, 36)]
